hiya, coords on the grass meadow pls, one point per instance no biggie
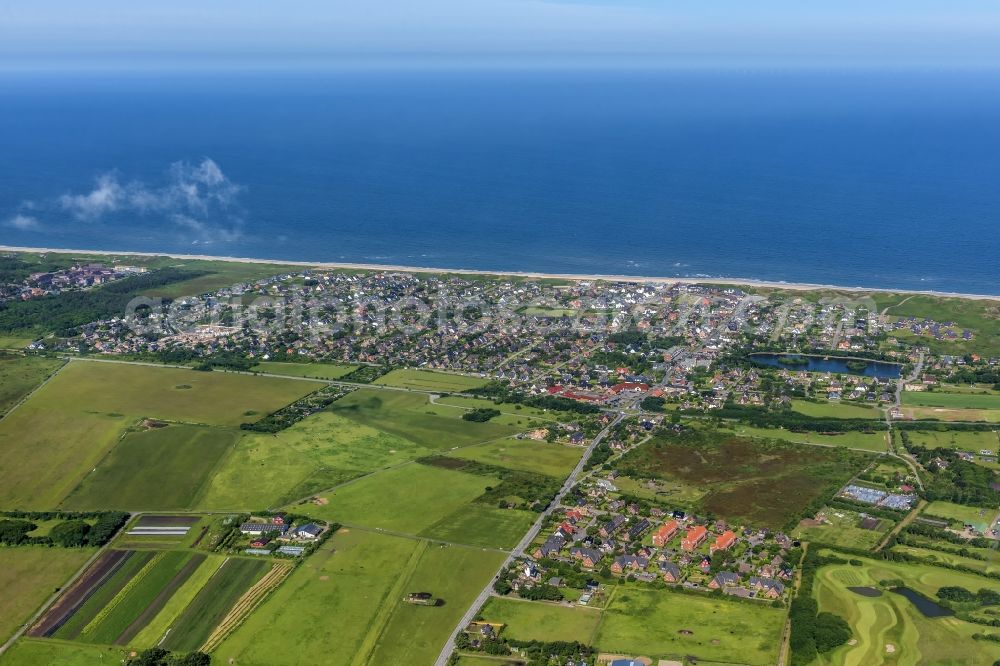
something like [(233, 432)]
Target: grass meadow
[(955, 439), (409, 499), (428, 380), (309, 370), (52, 441), (410, 415), (835, 410), (315, 454), (482, 525), (19, 375), (525, 454), (327, 606), (159, 468), (951, 400), (841, 529), (533, 620), (868, 441), (960, 514), (667, 624), (32, 652), (28, 576)]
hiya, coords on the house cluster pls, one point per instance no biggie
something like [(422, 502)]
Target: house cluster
[(276, 534), (676, 548), (74, 278)]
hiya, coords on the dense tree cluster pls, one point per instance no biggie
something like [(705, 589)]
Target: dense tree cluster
[(73, 532), (64, 312), (956, 480), (481, 415)]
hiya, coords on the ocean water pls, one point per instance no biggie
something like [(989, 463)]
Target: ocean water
[(866, 178)]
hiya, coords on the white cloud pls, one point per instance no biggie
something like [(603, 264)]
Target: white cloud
[(23, 223), (104, 198), (198, 198)]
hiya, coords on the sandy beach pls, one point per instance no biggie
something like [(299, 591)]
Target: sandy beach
[(792, 286)]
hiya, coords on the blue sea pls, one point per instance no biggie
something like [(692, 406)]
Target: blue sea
[(859, 178)]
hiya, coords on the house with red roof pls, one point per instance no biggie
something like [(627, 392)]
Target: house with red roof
[(694, 537), (723, 542), (665, 533)]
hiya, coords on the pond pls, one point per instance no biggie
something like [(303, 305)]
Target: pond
[(832, 364), (927, 607), (866, 591)]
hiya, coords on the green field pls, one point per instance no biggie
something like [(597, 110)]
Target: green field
[(159, 468), (212, 602), (29, 576), (310, 370), (888, 629), (56, 438), (19, 375), (416, 634), (955, 439), (32, 652), (313, 455), (835, 410), (980, 517), (156, 629), (219, 274), (667, 624), (841, 529), (409, 499), (989, 566), (115, 623), (868, 441), (949, 414), (525, 454), (406, 415), (327, 606), (951, 400), (104, 595), (428, 380), (533, 620), (483, 525), (511, 409)]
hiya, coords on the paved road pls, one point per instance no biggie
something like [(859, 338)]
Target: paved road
[(518, 551)]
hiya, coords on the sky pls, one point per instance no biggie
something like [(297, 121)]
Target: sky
[(199, 33)]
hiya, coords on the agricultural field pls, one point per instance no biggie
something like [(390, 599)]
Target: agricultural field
[(841, 527), (510, 409), (328, 605), (29, 576), (308, 370), (888, 626), (416, 634), (532, 620), (973, 442), (20, 375), (946, 414), (157, 468), (409, 499), (483, 525), (209, 606), (411, 416), (525, 454), (151, 635), (960, 514), (428, 380), (764, 482), (32, 652), (868, 441), (835, 410), (52, 441), (951, 400), (315, 454), (665, 624)]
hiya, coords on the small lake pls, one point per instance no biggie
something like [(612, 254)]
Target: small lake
[(831, 364), (866, 591), (927, 607)]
